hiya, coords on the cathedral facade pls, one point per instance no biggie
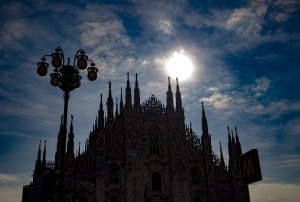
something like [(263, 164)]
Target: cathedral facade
[(140, 153)]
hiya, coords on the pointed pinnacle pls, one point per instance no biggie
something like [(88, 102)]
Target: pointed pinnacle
[(136, 81), (203, 112)]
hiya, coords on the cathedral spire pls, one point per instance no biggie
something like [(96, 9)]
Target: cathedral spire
[(169, 93), (101, 104), (71, 126), (203, 112), (236, 136), (230, 147), (221, 156), (121, 102), (229, 137), (39, 152), (117, 111), (79, 149), (110, 105), (44, 155), (101, 114), (204, 122), (169, 84), (128, 94), (70, 145), (238, 144), (58, 145), (178, 98), (136, 94), (38, 162)]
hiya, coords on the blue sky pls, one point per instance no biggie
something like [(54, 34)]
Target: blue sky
[(246, 71)]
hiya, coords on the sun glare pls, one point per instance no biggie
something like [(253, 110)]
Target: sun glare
[(179, 65)]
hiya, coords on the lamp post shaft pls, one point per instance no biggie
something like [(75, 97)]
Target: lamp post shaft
[(63, 148)]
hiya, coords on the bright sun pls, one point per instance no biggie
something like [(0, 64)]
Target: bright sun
[(179, 65)]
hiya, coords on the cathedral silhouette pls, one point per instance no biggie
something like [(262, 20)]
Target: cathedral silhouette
[(140, 153)]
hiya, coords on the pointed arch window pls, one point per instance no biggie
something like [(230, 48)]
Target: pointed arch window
[(195, 176), (156, 181), (114, 173), (154, 143)]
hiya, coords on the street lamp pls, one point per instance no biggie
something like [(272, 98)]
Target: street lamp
[(67, 78)]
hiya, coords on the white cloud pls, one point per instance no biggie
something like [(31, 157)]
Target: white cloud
[(212, 89), (165, 26), (287, 6), (262, 84), (218, 100), (110, 34), (245, 101), (248, 20), (293, 127), (280, 17), (220, 105), (274, 192)]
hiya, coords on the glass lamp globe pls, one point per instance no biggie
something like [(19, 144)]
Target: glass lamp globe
[(42, 70), (92, 75), (54, 81), (56, 62), (81, 64)]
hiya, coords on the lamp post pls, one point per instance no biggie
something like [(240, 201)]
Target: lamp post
[(67, 78)]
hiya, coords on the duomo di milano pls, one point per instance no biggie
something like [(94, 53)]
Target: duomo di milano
[(140, 153)]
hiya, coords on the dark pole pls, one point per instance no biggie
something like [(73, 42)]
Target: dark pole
[(63, 147)]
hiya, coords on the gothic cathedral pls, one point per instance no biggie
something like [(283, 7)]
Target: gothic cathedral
[(141, 153)]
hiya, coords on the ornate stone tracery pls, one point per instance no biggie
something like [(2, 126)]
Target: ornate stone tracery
[(153, 107), (154, 142)]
